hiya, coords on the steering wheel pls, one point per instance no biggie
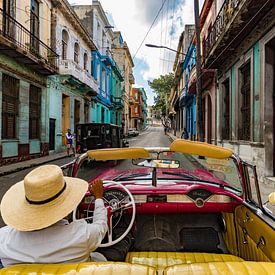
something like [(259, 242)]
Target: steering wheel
[(111, 209)]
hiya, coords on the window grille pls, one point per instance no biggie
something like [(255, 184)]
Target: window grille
[(65, 39), (76, 53), (10, 106), (85, 58), (244, 127), (226, 111), (34, 112)]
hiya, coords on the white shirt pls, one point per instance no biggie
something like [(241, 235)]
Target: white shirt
[(59, 243)]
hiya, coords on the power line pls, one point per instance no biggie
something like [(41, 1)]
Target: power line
[(149, 29)]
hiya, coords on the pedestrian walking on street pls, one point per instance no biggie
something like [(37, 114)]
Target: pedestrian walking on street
[(70, 142), (165, 130), (185, 134)]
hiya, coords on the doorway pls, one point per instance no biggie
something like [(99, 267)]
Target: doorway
[(9, 7), (76, 113), (209, 119), (102, 115), (270, 90), (52, 134), (65, 116), (34, 26)]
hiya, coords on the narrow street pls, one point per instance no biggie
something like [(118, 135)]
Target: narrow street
[(151, 137)]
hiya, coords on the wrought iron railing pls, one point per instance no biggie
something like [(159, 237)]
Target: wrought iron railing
[(117, 100), (226, 13), (24, 39)]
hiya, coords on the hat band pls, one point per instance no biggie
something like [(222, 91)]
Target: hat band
[(49, 199)]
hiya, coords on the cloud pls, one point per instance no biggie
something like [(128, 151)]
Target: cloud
[(147, 10), (140, 71)]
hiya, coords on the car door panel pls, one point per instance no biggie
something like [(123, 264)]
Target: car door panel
[(256, 238)]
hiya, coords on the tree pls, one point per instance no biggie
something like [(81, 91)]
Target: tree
[(162, 87)]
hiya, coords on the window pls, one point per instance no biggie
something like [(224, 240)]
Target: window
[(226, 110), (85, 62), (244, 127), (103, 82), (34, 26), (65, 39), (34, 112), (10, 106), (76, 53)]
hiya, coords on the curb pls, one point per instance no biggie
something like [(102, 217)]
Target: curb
[(29, 166)]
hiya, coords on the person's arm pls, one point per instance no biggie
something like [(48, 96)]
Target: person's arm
[(98, 229)]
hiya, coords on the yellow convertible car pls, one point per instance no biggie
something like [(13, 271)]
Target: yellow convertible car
[(192, 208)]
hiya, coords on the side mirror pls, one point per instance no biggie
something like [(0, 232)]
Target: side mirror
[(271, 198)]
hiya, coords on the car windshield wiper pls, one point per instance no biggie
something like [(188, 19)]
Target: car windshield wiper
[(188, 176), (125, 177)]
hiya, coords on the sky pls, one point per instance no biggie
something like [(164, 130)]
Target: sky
[(134, 19)]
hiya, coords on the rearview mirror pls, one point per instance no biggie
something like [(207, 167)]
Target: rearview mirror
[(158, 163)]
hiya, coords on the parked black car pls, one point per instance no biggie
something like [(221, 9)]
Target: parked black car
[(99, 135)]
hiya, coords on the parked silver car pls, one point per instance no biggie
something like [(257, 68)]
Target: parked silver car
[(133, 132)]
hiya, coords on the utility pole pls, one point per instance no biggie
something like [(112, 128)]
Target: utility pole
[(198, 73)]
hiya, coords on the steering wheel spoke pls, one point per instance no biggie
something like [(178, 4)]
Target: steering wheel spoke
[(126, 203)]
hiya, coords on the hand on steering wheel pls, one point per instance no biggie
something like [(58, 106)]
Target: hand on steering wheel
[(113, 208)]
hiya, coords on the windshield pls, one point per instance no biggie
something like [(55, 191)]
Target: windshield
[(192, 168)]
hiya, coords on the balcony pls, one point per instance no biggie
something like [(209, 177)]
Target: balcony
[(117, 102), (131, 78), (20, 44), (235, 20), (86, 82), (131, 100)]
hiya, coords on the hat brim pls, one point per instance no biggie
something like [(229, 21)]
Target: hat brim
[(23, 216)]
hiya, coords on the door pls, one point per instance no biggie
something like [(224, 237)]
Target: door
[(8, 18), (209, 119), (76, 113), (52, 134), (65, 116), (34, 27), (102, 115)]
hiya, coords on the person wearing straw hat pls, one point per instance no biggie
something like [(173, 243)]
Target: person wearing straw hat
[(34, 210)]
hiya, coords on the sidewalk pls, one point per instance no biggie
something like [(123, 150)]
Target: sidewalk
[(171, 136), (11, 168)]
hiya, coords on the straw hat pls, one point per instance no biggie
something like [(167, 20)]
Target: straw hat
[(43, 198)]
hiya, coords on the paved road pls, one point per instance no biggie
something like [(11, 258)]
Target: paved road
[(153, 136)]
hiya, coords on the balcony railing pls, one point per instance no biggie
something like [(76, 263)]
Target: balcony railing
[(69, 67), (225, 15), (18, 35), (117, 101)]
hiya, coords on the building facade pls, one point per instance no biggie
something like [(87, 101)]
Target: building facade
[(105, 70), (245, 79), (125, 63), (138, 109), (26, 60), (69, 92), (181, 116)]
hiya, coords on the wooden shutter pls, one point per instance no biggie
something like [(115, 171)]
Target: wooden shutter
[(10, 105), (34, 112)]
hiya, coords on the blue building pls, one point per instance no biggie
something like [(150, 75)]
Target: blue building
[(187, 100), (104, 70)]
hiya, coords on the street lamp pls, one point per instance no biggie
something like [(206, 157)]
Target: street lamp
[(164, 47)]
